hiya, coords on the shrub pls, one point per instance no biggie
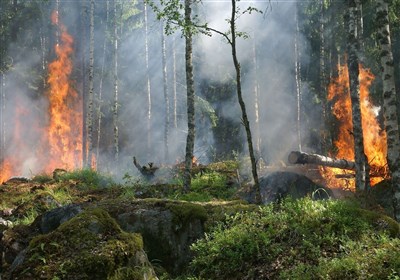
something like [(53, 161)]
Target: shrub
[(300, 239)]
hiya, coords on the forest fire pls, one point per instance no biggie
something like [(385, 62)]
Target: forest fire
[(59, 142), (374, 136), (64, 132)]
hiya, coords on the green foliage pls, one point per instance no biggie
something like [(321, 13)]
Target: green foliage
[(300, 239), (42, 178), (87, 178), (208, 186)]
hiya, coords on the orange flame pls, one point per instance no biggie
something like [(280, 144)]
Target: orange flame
[(60, 144), (374, 137), (64, 132)]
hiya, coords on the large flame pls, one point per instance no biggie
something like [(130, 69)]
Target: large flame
[(65, 127), (374, 137), (60, 143)]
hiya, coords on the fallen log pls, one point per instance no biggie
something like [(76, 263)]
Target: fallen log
[(297, 157)]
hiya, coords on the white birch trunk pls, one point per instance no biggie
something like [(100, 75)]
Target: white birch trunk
[(389, 102), (89, 113), (115, 73), (149, 106), (166, 96)]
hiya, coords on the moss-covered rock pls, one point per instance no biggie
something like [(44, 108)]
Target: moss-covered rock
[(89, 246)]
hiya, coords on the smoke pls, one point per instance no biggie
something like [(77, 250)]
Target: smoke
[(266, 57), (267, 62)]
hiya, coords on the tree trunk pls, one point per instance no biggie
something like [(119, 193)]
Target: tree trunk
[(166, 96), (2, 126), (100, 94), (362, 168), (148, 84), (174, 83), (242, 104), (389, 102), (256, 99), (89, 115), (298, 79), (115, 73), (297, 157), (190, 96), (84, 79)]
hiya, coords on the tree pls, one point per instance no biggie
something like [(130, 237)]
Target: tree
[(362, 168), (148, 83), (190, 94), (389, 101), (166, 96), (172, 13), (89, 115), (115, 74), (231, 37)]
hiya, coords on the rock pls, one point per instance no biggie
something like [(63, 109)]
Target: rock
[(277, 185), (5, 223), (52, 219), (89, 246), (168, 229)]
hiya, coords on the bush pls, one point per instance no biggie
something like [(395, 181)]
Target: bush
[(300, 239)]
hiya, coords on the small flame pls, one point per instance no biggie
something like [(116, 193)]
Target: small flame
[(374, 137)]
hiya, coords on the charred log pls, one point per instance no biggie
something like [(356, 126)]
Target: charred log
[(297, 157), (146, 170)]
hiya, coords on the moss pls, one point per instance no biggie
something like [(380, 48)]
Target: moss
[(380, 222), (89, 246), (185, 212)]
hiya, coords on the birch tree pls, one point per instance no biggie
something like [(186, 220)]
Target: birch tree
[(148, 84), (115, 75), (179, 16), (89, 113), (166, 96), (362, 168), (389, 101), (190, 94)]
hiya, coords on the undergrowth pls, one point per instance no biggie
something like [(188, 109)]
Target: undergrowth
[(301, 239)]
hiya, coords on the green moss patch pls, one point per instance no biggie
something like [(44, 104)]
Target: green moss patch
[(89, 246)]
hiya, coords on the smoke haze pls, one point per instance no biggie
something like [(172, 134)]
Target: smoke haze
[(271, 45)]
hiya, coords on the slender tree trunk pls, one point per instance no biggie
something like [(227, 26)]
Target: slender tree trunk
[(115, 74), (242, 104), (256, 100), (190, 96), (89, 113), (298, 79), (149, 106), (174, 83), (389, 102), (360, 24), (100, 95), (2, 125), (166, 96), (84, 81), (362, 168)]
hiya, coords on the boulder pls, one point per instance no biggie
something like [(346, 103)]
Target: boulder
[(90, 245), (52, 219), (275, 186), (168, 229)]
